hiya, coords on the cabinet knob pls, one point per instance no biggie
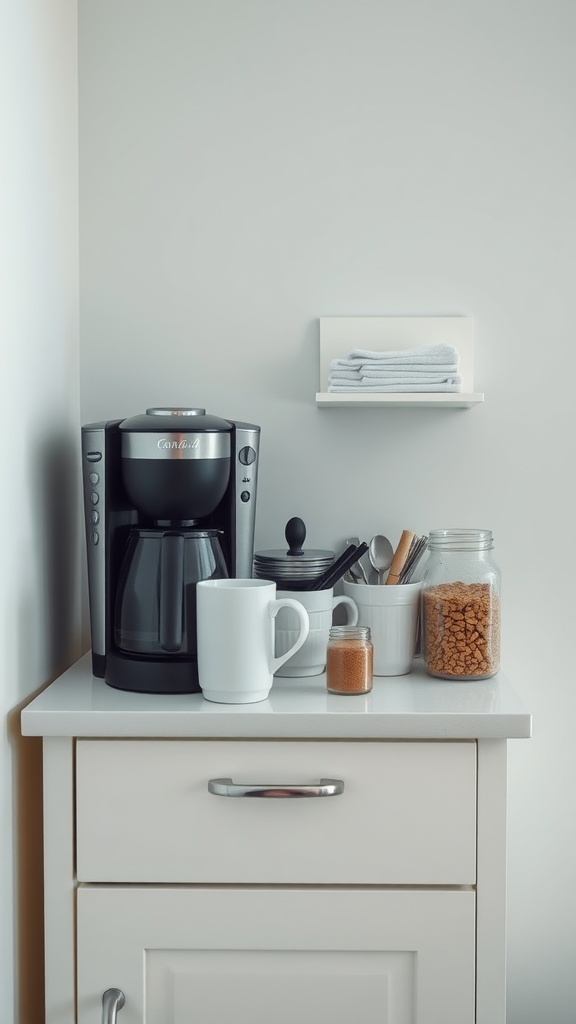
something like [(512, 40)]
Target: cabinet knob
[(112, 1001), (326, 787)]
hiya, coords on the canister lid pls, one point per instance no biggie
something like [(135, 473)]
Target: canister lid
[(295, 563), (460, 539)]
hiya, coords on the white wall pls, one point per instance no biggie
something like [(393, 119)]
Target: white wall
[(39, 403), (250, 165)]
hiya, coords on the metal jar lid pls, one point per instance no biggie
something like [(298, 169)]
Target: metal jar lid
[(295, 563)]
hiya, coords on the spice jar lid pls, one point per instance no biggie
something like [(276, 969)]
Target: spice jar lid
[(350, 633)]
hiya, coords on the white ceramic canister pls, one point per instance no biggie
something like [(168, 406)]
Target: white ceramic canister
[(392, 615), (310, 660)]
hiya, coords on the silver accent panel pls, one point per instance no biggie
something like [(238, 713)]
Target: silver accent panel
[(112, 1001), (93, 444), (181, 445), (245, 482), (178, 411), (326, 787)]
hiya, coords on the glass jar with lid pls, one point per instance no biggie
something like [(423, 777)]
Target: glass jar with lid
[(461, 606), (349, 660)]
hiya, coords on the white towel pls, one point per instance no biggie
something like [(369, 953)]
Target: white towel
[(343, 375), (344, 364), (366, 383), (404, 388), (402, 376), (429, 368), (363, 379), (426, 354)]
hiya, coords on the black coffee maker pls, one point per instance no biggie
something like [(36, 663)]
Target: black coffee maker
[(170, 499)]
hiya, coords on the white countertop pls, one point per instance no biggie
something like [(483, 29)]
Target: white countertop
[(413, 706)]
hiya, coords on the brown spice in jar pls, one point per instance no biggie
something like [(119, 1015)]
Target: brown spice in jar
[(349, 666), (461, 634)]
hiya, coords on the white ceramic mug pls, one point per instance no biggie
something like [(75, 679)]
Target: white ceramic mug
[(235, 625), (393, 614), (310, 660)]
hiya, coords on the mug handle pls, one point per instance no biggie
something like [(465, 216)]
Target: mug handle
[(288, 602), (352, 607)]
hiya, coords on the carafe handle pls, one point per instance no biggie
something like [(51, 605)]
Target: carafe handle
[(171, 592)]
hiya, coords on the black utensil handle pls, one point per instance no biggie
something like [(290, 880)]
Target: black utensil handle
[(339, 567), (320, 582)]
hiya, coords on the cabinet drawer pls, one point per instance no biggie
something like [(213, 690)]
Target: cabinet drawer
[(407, 814)]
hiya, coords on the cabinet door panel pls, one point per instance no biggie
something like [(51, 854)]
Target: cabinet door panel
[(251, 956), (281, 985), (407, 815)]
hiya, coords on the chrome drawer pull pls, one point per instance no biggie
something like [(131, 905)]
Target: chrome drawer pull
[(112, 1001), (326, 787)]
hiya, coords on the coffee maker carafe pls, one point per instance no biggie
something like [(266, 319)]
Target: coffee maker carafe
[(170, 499), (155, 611)]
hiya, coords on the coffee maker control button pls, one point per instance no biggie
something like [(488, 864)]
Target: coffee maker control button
[(245, 496), (94, 517), (94, 456), (94, 497), (94, 478), (247, 456), (95, 537)]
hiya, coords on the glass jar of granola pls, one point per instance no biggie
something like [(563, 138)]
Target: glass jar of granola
[(460, 610)]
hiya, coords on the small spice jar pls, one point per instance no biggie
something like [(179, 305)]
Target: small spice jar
[(460, 606), (349, 660)]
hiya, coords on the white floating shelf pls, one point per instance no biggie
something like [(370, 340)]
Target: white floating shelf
[(426, 400), (340, 334)]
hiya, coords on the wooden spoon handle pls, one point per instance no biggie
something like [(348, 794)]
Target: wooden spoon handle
[(399, 557)]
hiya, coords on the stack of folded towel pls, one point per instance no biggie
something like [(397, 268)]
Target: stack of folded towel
[(430, 368)]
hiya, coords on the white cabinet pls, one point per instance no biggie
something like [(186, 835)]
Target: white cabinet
[(257, 955), (383, 902), (328, 911), (345, 948)]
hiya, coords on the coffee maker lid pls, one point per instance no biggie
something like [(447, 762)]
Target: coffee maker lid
[(175, 418)]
